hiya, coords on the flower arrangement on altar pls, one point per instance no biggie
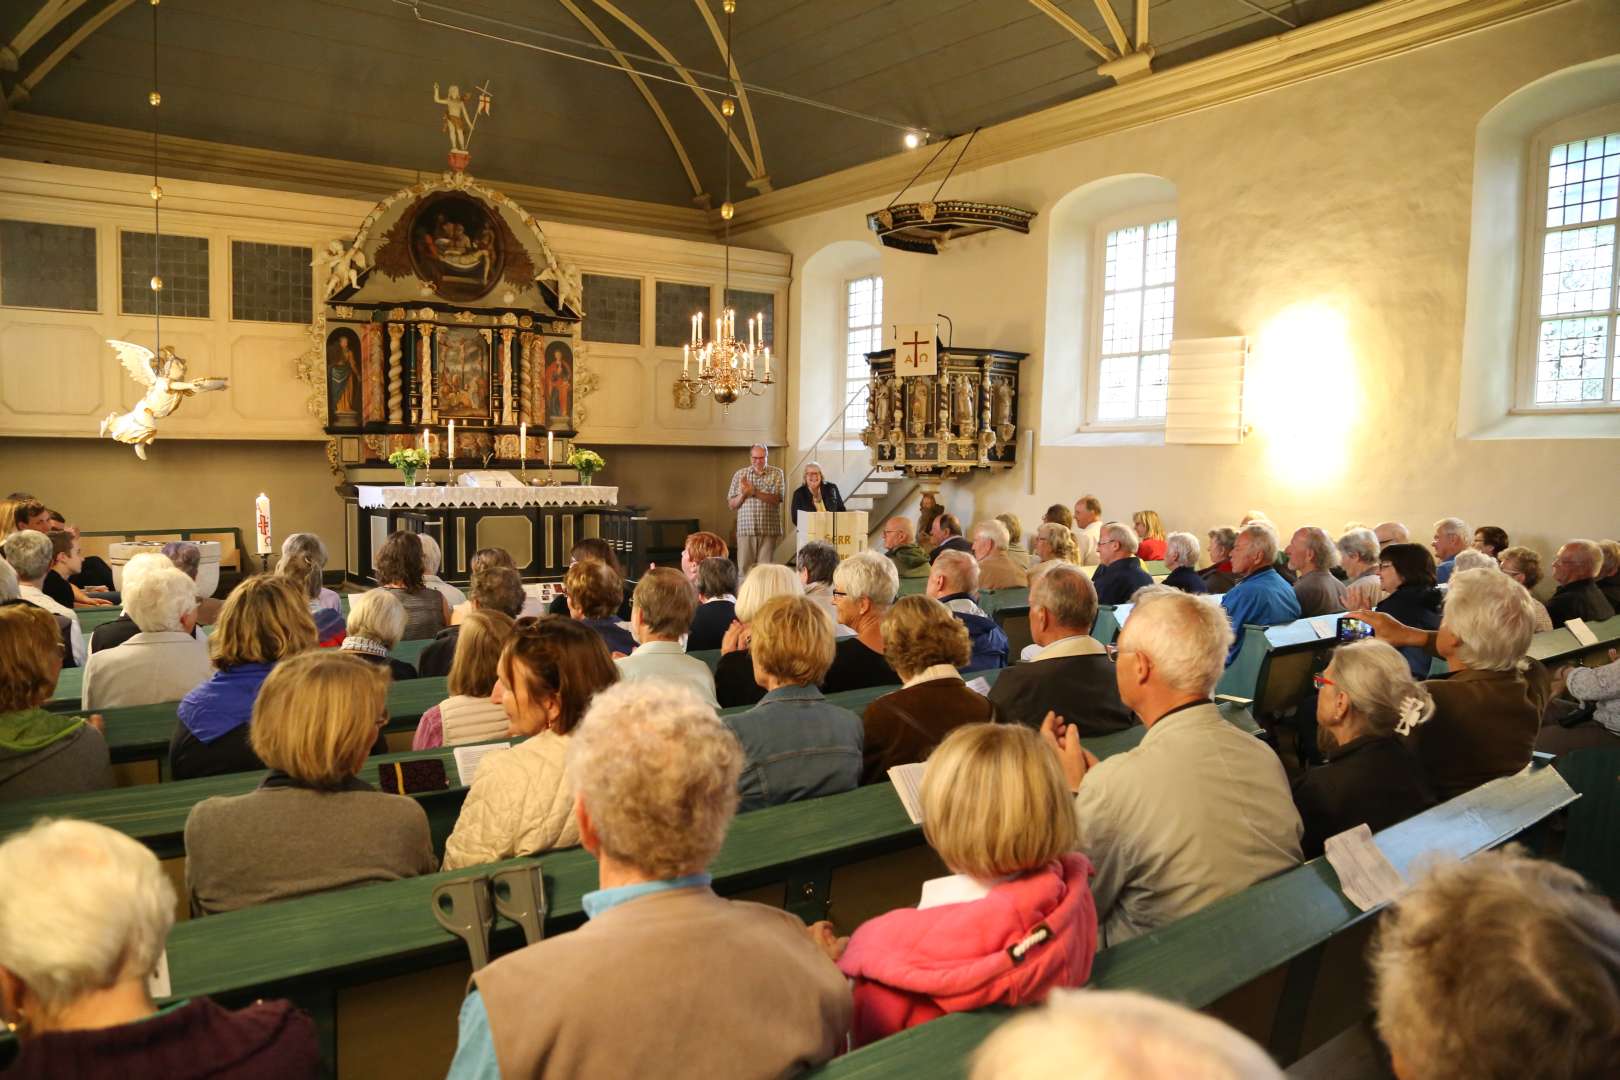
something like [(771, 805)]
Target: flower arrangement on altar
[(407, 461), (587, 462)]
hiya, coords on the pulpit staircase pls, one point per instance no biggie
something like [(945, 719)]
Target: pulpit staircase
[(847, 463)]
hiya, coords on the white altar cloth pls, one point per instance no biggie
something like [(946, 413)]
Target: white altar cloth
[(376, 497)]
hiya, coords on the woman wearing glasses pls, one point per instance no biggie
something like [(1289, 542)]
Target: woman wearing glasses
[(1407, 573), (1365, 701)]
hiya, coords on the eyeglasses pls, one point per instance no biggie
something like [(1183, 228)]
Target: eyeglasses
[(840, 595), (1320, 681), (1113, 653)]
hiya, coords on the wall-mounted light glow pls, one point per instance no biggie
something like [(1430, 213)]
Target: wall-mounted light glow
[(1303, 395), (913, 140)]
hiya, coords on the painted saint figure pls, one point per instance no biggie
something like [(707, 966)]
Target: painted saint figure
[(343, 375), (558, 380)]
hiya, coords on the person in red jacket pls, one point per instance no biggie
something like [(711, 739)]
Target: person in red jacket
[(1015, 921)]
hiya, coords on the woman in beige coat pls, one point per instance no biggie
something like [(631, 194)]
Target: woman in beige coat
[(519, 803)]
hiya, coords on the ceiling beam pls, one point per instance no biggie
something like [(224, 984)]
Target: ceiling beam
[(755, 169), (1105, 8), (47, 18), (760, 180), (646, 93), (25, 86), (1067, 21), (1141, 24)]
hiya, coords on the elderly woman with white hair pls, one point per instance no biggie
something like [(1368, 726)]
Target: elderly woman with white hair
[(30, 554), (376, 623), (734, 675), (864, 588), (1218, 574), (1358, 555), (1181, 551), (1366, 700), (654, 778), (1503, 965), (165, 661), (1488, 712), (432, 558), (1092, 1034), (77, 996)]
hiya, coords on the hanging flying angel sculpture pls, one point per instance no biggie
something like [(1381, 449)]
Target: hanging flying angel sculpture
[(164, 377)]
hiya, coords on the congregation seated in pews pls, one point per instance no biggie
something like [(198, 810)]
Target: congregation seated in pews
[(617, 745)]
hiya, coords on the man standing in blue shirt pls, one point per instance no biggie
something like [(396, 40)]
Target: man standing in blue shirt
[(1451, 536), (1261, 597)]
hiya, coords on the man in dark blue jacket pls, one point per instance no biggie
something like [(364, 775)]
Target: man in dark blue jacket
[(954, 582), (1121, 573)]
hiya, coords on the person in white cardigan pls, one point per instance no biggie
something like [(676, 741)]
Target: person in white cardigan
[(470, 714), (165, 661), (661, 611), (520, 803)]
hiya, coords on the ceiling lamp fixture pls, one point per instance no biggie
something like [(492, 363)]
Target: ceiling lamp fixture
[(726, 368)]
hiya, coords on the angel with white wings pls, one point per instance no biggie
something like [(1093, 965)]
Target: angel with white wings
[(164, 376)]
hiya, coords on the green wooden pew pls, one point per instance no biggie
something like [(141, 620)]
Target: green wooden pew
[(1289, 964), (92, 617)]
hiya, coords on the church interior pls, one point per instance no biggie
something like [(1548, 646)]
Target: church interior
[(740, 432)]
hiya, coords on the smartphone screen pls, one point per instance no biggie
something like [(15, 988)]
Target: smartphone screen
[(1353, 629)]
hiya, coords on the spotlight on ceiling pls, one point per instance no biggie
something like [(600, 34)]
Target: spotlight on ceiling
[(913, 140)]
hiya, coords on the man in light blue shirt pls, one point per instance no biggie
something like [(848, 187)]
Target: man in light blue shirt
[(1451, 536), (1261, 597)]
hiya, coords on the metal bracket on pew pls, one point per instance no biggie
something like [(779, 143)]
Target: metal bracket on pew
[(520, 895), (809, 893), (463, 907)]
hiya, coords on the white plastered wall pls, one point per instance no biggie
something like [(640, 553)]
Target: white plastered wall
[(1330, 222)]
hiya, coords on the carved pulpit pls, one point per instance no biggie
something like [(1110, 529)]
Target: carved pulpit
[(942, 414)]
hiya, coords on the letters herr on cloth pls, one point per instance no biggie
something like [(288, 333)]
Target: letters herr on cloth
[(845, 530)]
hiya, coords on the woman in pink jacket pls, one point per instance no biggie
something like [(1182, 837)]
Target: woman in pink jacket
[(1016, 920)]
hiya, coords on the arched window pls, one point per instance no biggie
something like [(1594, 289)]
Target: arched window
[(863, 333)]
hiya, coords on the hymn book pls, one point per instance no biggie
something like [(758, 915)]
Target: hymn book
[(907, 781), (469, 757)]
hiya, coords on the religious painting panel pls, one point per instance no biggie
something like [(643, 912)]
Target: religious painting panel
[(456, 246), (343, 377), (464, 372), (557, 384)]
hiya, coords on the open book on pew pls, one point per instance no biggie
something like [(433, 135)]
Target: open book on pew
[(469, 757), (907, 781)]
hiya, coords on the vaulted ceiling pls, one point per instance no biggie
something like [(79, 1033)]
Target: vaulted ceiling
[(352, 79)]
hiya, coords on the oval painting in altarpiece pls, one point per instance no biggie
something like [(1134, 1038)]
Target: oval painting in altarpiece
[(456, 246)]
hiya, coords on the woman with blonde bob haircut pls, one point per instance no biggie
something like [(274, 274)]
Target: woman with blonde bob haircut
[(1054, 541), (798, 744), (1015, 922), (83, 921), (925, 644), (470, 714), (1501, 966), (1488, 713), (312, 825), (264, 621), (519, 803)]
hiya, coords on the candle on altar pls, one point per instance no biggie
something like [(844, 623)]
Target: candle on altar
[(425, 448), (261, 523), (523, 446), (450, 451), (549, 455)]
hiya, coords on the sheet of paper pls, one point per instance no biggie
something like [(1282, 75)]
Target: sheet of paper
[(1367, 878), (157, 983), (907, 781), (469, 757), (1326, 626), (979, 686), (1582, 632)]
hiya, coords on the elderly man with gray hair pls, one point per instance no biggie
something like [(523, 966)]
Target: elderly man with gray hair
[(1261, 597), (1120, 573), (1392, 532), (1578, 597), (164, 661), (756, 494), (996, 568), (1199, 810), (1451, 535), (30, 554), (1071, 675), (1181, 553), (1312, 555), (955, 583), (654, 774), (1358, 555)]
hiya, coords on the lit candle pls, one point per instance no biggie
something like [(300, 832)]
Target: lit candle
[(523, 446), (550, 456), (750, 334), (261, 523), (450, 451), (767, 361), (686, 358)]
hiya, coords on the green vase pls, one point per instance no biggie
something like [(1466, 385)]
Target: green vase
[(585, 476), (410, 475)]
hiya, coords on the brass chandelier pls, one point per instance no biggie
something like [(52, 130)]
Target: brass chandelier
[(726, 367)]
